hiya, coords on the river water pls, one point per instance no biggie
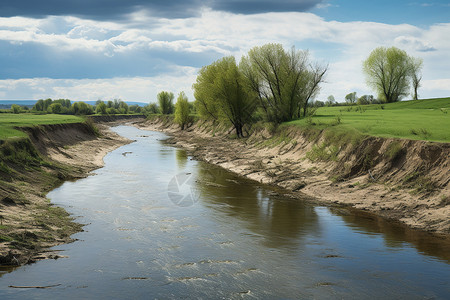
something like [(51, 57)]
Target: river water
[(161, 225)]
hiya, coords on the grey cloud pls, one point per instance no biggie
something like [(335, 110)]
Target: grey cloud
[(261, 6), (117, 9)]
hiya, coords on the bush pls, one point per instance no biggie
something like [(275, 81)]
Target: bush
[(15, 108), (182, 110)]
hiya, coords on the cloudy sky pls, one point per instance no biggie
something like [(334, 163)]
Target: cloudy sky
[(132, 49)]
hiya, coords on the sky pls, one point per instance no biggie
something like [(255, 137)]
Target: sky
[(132, 49)]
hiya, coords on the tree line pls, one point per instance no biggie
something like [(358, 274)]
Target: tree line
[(277, 85), (67, 107)]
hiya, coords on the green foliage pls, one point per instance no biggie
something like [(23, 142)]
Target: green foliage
[(330, 101), (19, 150), (419, 183), (351, 98), (65, 106), (152, 108), (204, 88), (284, 81), (46, 106), (92, 127), (135, 109), (416, 76), (15, 109), (221, 95), (82, 108), (165, 100), (393, 150), (422, 132), (323, 152), (365, 99), (100, 108), (182, 110), (389, 72), (55, 108)]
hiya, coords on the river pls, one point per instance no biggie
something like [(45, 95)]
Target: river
[(162, 225)]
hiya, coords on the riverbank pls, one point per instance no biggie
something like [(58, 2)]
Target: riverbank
[(29, 223), (401, 180)]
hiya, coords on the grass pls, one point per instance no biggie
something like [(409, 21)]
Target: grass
[(416, 120), (8, 122)]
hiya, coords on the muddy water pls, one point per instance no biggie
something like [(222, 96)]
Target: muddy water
[(160, 225)]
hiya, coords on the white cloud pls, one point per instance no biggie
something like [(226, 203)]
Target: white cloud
[(343, 44), (142, 89)]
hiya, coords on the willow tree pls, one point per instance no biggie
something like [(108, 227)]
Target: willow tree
[(284, 81), (203, 88), (389, 72), (182, 110), (221, 95), (165, 100), (416, 76)]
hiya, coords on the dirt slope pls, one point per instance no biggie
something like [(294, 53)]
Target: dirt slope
[(29, 223), (402, 180)]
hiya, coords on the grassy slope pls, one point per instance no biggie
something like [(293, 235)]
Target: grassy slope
[(9, 121), (416, 120)]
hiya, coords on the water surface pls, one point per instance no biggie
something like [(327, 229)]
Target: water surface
[(161, 225)]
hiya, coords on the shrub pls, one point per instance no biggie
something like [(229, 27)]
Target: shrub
[(15, 108), (182, 111)]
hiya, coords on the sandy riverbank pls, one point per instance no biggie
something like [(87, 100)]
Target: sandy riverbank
[(381, 190), (30, 224)]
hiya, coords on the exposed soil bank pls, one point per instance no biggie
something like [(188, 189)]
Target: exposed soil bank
[(401, 180), (115, 118), (29, 223)]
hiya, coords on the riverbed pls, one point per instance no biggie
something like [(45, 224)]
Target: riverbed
[(162, 225)]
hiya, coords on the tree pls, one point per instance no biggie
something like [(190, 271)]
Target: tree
[(416, 75), (100, 107), (152, 108), (47, 103), (203, 92), (64, 102), (182, 110), (123, 107), (81, 108), (223, 96), (55, 108), (388, 72), (135, 109), (351, 98), (365, 99), (318, 103), (165, 100), (330, 101), (39, 105), (15, 108), (284, 81)]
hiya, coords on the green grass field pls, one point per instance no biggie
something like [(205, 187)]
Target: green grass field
[(9, 121), (417, 120)]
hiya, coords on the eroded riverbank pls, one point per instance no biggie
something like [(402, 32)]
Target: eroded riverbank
[(367, 179), (30, 224), (235, 239)]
